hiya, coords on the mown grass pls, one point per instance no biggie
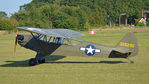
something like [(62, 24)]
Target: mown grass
[(14, 68)]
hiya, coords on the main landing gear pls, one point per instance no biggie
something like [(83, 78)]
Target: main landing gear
[(34, 61)]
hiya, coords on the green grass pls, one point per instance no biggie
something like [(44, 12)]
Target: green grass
[(14, 68)]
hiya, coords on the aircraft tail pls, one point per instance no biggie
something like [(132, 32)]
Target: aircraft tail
[(127, 46)]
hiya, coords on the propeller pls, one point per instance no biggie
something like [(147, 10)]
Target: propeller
[(16, 41)]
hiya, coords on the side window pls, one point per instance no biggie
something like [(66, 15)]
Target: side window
[(58, 40), (50, 39), (41, 37)]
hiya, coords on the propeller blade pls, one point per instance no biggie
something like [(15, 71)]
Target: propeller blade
[(16, 41)]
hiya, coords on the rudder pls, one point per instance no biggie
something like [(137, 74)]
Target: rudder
[(128, 45)]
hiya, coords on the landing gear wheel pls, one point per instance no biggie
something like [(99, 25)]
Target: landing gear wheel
[(41, 61), (32, 62), (131, 61)]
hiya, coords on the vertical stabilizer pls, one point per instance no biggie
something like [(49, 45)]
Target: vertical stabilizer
[(128, 45)]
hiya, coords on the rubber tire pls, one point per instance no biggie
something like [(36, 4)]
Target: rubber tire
[(131, 61), (41, 61), (32, 62)]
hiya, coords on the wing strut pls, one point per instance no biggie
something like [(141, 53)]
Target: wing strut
[(39, 44)]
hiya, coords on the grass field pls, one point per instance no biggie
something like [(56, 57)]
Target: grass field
[(14, 68)]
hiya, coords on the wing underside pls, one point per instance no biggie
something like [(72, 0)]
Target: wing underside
[(63, 33)]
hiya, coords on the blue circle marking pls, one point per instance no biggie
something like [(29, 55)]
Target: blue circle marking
[(90, 50)]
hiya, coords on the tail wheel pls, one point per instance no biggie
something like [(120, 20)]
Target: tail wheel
[(32, 62), (41, 61)]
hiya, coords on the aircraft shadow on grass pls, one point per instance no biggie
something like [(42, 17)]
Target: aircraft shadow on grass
[(51, 59)]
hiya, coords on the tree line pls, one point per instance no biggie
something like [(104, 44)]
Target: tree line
[(73, 14)]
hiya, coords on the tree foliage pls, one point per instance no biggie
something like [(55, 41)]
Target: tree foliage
[(77, 14), (146, 4), (3, 14), (7, 23)]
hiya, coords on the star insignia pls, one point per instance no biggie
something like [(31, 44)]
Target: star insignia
[(90, 50)]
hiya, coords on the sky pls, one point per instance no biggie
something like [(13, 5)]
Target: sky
[(12, 6)]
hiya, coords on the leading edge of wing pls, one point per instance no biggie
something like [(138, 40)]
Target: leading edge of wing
[(40, 31), (64, 33)]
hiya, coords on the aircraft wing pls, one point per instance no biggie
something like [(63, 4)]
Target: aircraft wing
[(64, 33)]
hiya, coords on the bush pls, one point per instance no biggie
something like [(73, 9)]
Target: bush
[(8, 24)]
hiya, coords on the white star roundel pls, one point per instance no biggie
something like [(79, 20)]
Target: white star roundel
[(90, 50)]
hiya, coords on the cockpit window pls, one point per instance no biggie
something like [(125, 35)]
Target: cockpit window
[(49, 39), (56, 40), (41, 37)]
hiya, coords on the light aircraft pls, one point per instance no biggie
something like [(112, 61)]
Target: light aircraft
[(64, 42)]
